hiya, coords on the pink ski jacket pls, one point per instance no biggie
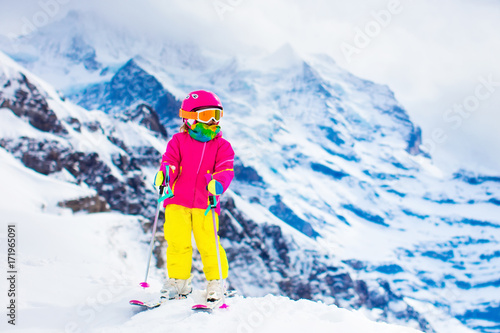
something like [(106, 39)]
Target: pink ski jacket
[(192, 161)]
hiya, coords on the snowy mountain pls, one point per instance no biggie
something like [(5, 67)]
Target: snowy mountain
[(76, 272), (334, 200), (55, 137)]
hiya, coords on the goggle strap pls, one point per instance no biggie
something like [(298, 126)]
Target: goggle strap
[(187, 115)]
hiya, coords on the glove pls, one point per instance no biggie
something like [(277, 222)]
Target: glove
[(161, 175), (159, 178), (215, 187)]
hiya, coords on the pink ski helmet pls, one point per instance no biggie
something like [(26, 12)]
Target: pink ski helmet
[(201, 99)]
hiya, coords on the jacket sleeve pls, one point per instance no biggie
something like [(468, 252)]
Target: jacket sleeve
[(223, 171), (172, 158)]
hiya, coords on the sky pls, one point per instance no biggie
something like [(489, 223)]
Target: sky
[(439, 58)]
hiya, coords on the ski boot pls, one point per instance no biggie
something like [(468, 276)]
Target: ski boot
[(215, 290), (176, 289)]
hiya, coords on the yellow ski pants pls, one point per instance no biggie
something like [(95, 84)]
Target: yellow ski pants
[(180, 222)]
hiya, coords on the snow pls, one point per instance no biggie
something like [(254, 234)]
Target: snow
[(77, 272), (31, 191), (11, 126), (266, 314)]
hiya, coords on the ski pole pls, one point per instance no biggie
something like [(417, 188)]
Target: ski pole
[(145, 284), (163, 182), (213, 204)]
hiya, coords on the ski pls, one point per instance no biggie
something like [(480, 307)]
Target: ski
[(210, 306), (154, 304), (147, 305), (202, 307)]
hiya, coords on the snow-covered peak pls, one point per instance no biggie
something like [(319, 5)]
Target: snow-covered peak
[(79, 30), (8, 67), (284, 57), (11, 70)]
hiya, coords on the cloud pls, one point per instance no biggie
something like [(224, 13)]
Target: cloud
[(431, 54)]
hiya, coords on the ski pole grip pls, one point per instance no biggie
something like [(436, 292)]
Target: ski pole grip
[(162, 188), (212, 203), (211, 198)]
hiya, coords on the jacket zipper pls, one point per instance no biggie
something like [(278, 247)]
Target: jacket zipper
[(201, 159)]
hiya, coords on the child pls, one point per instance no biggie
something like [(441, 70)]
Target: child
[(197, 159)]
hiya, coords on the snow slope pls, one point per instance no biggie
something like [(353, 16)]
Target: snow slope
[(266, 314)]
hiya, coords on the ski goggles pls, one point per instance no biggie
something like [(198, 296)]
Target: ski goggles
[(204, 116)]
